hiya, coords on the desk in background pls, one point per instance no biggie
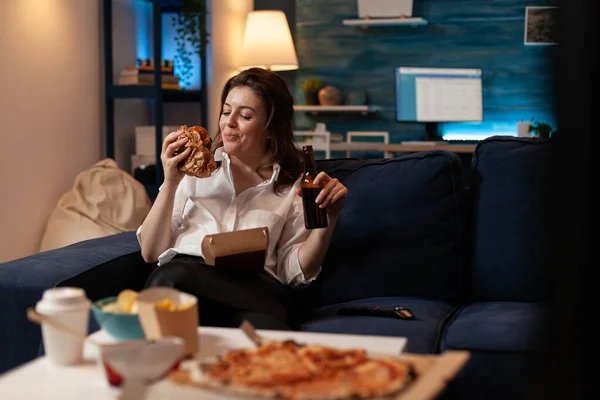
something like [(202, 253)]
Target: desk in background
[(393, 149), (415, 148), (464, 151)]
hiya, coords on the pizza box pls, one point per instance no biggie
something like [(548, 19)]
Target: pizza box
[(433, 371)]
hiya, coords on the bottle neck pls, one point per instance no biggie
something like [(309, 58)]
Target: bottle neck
[(310, 169)]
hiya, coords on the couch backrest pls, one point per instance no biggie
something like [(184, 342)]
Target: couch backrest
[(401, 232), (510, 195)]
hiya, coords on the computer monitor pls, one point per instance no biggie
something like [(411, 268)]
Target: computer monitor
[(433, 95)]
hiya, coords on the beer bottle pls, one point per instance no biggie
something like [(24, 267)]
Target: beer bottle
[(314, 217)]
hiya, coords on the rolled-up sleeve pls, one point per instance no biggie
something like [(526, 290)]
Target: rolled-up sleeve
[(178, 205), (293, 235)]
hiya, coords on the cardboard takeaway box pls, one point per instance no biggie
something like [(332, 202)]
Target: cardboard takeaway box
[(159, 323), (243, 250)]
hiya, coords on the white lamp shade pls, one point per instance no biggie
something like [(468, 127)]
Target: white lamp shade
[(268, 42)]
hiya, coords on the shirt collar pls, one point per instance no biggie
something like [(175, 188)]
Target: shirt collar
[(220, 155)]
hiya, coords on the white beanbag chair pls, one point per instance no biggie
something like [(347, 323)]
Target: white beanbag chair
[(104, 200)]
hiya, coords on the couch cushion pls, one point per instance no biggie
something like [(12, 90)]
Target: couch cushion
[(423, 332), (511, 218), (401, 231), (498, 327), (498, 376)]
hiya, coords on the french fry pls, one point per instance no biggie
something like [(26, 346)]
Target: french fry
[(126, 303)]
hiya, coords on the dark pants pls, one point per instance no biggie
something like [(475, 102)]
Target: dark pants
[(226, 298)]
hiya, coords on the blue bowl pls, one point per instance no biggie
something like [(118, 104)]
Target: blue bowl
[(120, 326)]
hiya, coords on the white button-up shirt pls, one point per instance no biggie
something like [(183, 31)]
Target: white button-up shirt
[(210, 205)]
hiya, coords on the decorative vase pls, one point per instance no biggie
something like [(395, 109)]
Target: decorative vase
[(330, 96), (311, 98)]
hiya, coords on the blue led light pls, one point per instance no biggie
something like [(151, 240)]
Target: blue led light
[(143, 28), (495, 123)]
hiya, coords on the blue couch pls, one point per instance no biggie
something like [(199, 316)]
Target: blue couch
[(467, 256)]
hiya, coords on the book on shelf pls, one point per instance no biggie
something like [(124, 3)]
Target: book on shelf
[(170, 86), (147, 80), (166, 86), (149, 70)]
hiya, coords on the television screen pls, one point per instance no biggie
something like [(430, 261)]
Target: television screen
[(438, 94)]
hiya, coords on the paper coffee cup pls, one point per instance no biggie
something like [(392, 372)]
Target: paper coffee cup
[(69, 307)]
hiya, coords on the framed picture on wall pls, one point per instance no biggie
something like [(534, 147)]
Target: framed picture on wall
[(540, 25)]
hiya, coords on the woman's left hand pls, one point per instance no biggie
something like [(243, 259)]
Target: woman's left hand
[(332, 196)]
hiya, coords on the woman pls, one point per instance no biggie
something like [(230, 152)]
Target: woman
[(257, 184)]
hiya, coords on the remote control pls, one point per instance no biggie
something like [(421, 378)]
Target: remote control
[(397, 312)]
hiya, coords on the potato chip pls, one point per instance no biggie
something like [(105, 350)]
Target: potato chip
[(113, 308), (126, 299), (169, 305), (185, 306), (166, 304)]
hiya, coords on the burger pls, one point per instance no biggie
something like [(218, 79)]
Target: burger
[(200, 162)]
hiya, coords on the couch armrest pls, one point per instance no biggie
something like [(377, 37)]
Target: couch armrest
[(83, 264)]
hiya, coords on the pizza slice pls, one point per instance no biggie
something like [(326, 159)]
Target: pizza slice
[(270, 365), (325, 360), (345, 374)]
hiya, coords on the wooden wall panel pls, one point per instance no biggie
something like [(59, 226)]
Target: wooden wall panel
[(486, 34)]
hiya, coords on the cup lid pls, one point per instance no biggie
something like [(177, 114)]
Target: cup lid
[(65, 296)]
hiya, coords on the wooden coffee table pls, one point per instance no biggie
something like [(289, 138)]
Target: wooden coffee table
[(39, 379)]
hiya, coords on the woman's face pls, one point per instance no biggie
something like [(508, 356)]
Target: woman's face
[(243, 122)]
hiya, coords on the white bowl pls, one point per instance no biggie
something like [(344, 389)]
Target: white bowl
[(140, 362)]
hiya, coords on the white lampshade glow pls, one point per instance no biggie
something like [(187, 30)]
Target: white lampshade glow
[(268, 42)]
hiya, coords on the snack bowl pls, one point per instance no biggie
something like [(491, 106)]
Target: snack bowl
[(121, 326), (142, 361)]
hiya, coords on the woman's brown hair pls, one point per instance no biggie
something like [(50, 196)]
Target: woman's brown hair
[(279, 105)]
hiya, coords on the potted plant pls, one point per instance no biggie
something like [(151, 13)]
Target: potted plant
[(311, 89), (191, 36), (541, 129)]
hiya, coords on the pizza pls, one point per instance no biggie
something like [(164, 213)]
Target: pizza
[(293, 371)]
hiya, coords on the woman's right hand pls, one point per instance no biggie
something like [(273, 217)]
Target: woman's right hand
[(170, 160)]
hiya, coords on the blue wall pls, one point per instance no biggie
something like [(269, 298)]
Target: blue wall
[(486, 34)]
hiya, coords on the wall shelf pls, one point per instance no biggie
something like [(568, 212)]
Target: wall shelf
[(130, 92), (366, 22), (182, 96), (148, 92), (337, 109)]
